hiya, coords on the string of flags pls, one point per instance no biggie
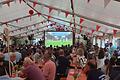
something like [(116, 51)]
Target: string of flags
[(31, 13)]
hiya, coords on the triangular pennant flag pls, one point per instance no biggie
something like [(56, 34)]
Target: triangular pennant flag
[(16, 20), (93, 31), (34, 3), (114, 32), (106, 2), (66, 14), (20, 1), (49, 17), (81, 20), (81, 29), (8, 3), (97, 27), (39, 14), (88, 1), (6, 24), (50, 9), (70, 23), (42, 22), (34, 25)]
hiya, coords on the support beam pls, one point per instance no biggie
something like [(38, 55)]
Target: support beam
[(1, 23), (78, 15), (26, 26), (33, 29), (5, 2)]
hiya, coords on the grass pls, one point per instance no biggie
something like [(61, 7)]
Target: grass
[(57, 43)]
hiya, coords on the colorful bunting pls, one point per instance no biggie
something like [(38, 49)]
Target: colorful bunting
[(97, 27), (106, 2), (81, 20)]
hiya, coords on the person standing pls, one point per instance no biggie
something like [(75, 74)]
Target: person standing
[(49, 67)]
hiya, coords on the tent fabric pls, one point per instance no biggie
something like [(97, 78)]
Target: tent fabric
[(16, 17)]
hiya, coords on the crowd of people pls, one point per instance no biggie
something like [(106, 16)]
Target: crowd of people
[(37, 62)]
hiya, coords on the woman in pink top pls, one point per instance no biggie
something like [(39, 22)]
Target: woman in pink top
[(49, 68)]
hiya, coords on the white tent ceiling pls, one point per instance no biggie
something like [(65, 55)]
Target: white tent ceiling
[(93, 13)]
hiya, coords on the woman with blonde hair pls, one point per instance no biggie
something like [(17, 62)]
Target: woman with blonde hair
[(80, 57)]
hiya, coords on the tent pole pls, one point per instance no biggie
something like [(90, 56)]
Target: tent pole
[(78, 15)]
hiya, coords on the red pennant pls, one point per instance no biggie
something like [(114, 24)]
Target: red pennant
[(114, 32), (88, 33), (50, 9), (34, 3), (97, 27), (66, 14), (81, 29), (81, 20), (49, 17), (39, 14), (93, 31)]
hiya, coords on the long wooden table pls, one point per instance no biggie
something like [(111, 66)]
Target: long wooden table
[(81, 75)]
